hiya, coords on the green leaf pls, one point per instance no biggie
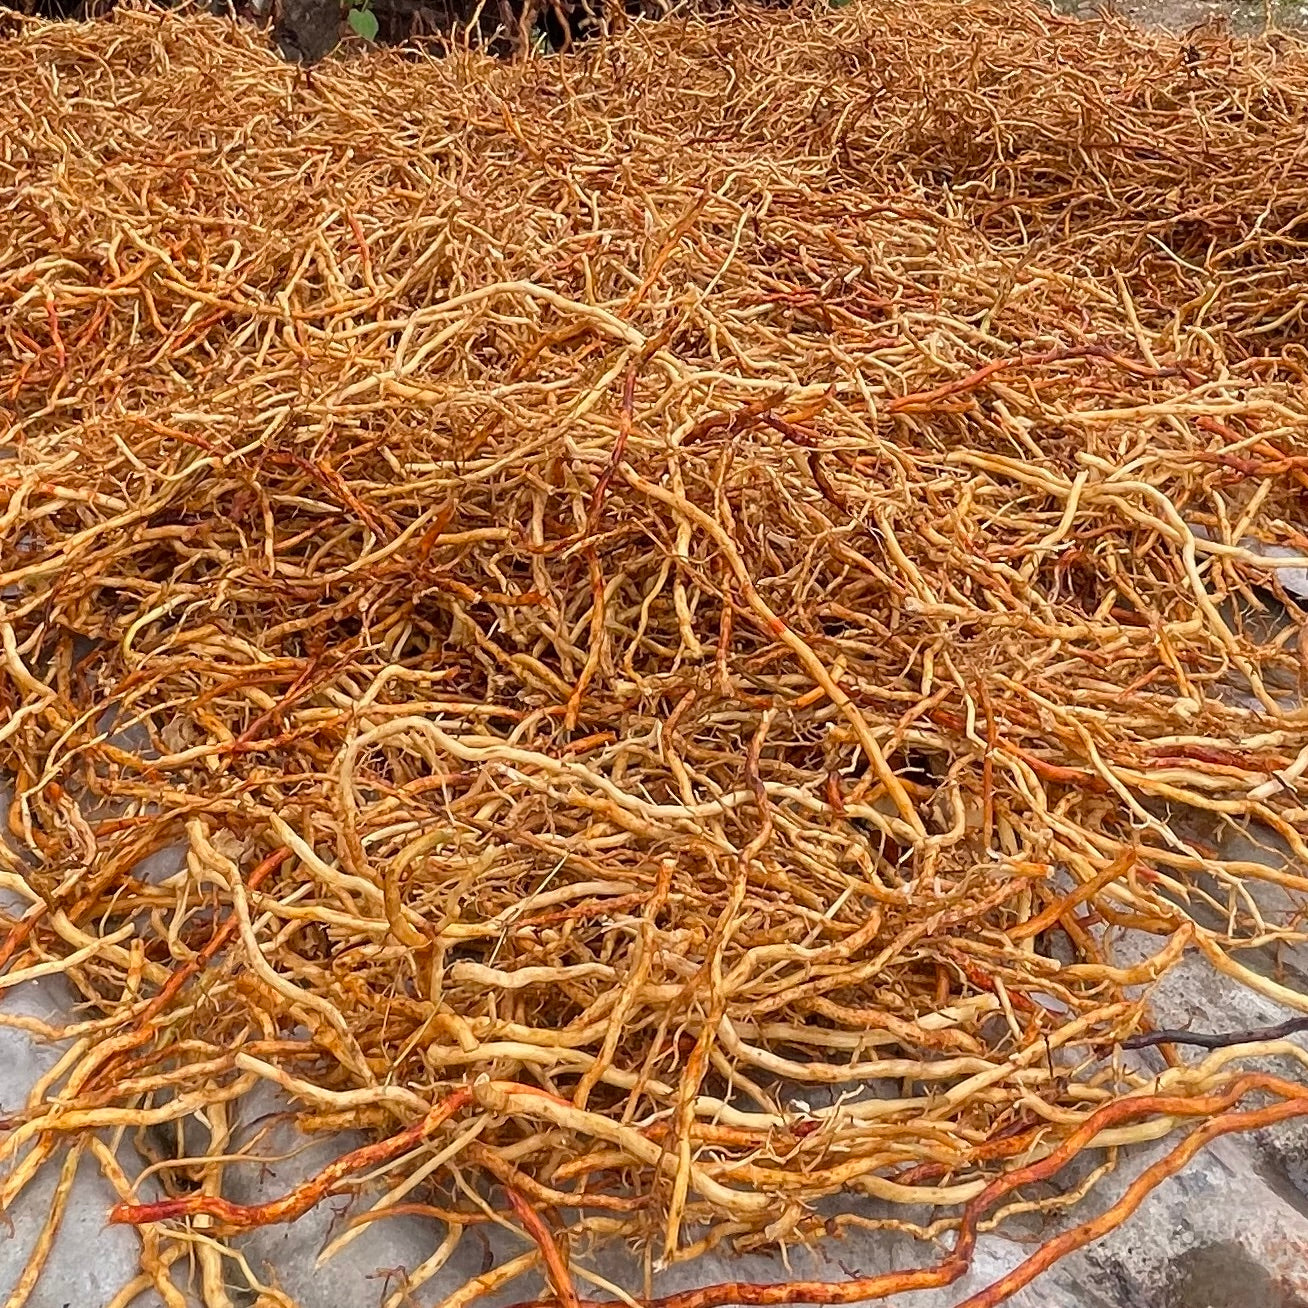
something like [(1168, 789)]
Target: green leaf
[(364, 22), (838, 4)]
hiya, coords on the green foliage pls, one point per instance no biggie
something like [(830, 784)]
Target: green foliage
[(362, 20)]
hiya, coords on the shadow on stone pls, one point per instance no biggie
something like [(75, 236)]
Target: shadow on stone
[(1224, 1276)]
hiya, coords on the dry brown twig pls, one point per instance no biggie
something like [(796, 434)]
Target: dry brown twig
[(643, 589)]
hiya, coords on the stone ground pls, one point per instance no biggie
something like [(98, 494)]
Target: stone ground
[(1181, 15), (1231, 1231)]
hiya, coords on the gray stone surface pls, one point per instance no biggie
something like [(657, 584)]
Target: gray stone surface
[(1182, 15), (286, 1256), (89, 1261)]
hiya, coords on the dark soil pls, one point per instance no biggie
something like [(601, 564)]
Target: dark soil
[(307, 30)]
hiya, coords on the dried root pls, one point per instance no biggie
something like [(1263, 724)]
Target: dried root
[(675, 632)]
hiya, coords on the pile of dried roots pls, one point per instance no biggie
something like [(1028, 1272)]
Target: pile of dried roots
[(678, 605)]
